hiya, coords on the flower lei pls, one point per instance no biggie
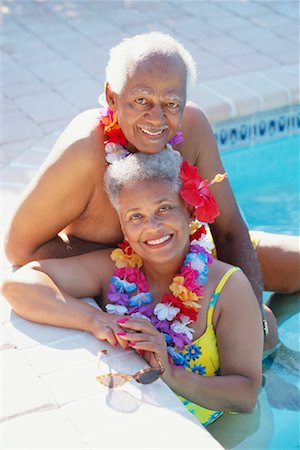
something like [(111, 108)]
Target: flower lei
[(115, 139), (129, 292)]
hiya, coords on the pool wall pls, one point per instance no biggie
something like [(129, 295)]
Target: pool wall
[(257, 128)]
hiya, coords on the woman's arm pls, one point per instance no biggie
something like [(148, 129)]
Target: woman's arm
[(240, 341), (48, 292)]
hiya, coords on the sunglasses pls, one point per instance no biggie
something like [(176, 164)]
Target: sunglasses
[(144, 376)]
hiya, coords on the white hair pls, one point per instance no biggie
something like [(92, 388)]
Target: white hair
[(162, 166), (136, 48)]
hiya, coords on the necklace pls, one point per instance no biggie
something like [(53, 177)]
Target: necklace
[(115, 139), (129, 292)]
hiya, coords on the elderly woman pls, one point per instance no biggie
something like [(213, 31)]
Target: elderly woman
[(65, 211), (183, 310)]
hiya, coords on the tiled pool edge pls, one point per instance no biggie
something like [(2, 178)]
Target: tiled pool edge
[(257, 128), (249, 93)]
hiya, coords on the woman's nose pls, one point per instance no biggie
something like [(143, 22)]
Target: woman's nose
[(154, 222)]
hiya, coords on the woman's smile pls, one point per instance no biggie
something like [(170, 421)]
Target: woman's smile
[(159, 241)]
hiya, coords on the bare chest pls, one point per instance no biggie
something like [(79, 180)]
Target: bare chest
[(99, 221)]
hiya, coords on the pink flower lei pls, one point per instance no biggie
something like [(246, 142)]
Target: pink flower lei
[(129, 293)]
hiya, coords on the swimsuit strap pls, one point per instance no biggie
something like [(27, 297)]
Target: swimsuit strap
[(217, 292)]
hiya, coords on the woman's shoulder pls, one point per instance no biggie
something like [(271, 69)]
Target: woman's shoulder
[(226, 276)]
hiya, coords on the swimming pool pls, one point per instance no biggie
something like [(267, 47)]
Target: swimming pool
[(265, 180)]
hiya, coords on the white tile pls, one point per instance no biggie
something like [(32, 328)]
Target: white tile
[(81, 94), (272, 95), (22, 390), (72, 384), (82, 348), (215, 107), (41, 430), (21, 175), (29, 334), (245, 100), (26, 129), (45, 107), (29, 158), (169, 430), (14, 149), (285, 79), (113, 406), (57, 71)]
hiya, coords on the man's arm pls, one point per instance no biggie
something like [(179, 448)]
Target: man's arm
[(57, 196), (229, 231)]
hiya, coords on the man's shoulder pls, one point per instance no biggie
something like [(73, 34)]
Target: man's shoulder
[(197, 133), (82, 138), (193, 113)]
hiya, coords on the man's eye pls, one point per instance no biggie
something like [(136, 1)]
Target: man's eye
[(141, 101), (172, 105)]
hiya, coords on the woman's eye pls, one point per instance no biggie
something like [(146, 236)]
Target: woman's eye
[(135, 217), (165, 208), (141, 101)]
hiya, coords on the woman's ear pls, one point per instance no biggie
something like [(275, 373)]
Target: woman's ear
[(110, 97), (191, 210)]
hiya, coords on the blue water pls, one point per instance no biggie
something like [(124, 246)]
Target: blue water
[(265, 179)]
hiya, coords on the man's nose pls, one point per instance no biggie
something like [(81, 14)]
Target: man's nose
[(156, 113)]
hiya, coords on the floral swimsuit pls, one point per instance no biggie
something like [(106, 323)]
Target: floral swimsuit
[(202, 357)]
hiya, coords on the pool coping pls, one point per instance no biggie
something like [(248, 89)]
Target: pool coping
[(248, 93)]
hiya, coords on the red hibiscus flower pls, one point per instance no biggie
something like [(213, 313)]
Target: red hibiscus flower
[(195, 192)]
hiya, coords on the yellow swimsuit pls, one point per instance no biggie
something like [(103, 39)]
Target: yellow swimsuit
[(202, 356)]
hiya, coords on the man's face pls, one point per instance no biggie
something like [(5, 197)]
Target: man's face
[(151, 103)]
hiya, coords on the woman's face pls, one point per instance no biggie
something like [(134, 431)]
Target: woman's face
[(151, 103), (154, 220)]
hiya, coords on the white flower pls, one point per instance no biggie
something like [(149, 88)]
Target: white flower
[(197, 264), (138, 315), (165, 311), (115, 152), (204, 242), (116, 309), (181, 327)]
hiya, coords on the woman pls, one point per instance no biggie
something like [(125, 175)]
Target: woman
[(181, 307)]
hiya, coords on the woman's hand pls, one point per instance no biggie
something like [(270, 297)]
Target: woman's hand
[(105, 327), (142, 336)]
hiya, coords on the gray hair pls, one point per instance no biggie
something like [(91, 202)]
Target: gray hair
[(162, 166), (133, 49)]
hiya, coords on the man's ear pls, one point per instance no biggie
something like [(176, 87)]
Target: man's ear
[(110, 96)]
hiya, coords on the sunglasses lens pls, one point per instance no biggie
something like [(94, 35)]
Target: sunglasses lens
[(112, 381), (149, 376)]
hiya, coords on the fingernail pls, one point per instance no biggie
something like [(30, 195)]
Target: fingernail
[(121, 333), (115, 344), (131, 344), (141, 352), (123, 320)]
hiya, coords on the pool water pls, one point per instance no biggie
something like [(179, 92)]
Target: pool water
[(265, 180)]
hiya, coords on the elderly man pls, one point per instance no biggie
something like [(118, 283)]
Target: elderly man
[(65, 210)]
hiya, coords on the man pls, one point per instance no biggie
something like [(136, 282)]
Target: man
[(65, 210)]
